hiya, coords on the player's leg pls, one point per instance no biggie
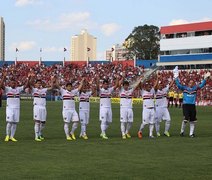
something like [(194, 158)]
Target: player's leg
[(167, 118), (37, 130), (129, 122), (43, 114), (15, 120), (123, 120), (83, 120), (157, 121), (103, 125), (9, 120), (75, 120), (145, 116), (151, 122), (185, 119), (67, 119), (193, 120)]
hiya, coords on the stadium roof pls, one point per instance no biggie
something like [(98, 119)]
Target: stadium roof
[(201, 26)]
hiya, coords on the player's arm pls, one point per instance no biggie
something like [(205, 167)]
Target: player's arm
[(206, 76), (116, 84), (156, 82), (121, 80), (81, 84), (137, 83)]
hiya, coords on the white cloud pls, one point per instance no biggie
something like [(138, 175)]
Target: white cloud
[(109, 29), (183, 21), (23, 45), (21, 3), (77, 20)]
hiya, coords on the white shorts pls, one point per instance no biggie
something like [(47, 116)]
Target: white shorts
[(148, 116), (105, 114), (39, 113), (162, 113), (70, 115), (12, 114), (126, 114), (84, 116)]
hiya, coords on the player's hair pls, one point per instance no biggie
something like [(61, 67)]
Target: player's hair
[(126, 83), (68, 83), (38, 80), (105, 81)]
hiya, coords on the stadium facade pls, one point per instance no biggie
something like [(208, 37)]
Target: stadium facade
[(186, 44), (83, 47), (2, 39), (116, 53)]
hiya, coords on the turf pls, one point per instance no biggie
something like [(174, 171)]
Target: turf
[(55, 158)]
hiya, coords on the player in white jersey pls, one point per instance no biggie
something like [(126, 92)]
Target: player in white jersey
[(84, 109), (12, 107), (162, 112), (148, 114), (69, 112), (39, 108), (126, 112), (105, 111)]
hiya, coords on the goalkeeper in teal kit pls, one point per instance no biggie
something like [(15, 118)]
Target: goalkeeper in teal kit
[(189, 100)]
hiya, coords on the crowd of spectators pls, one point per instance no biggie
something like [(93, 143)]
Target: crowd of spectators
[(74, 74)]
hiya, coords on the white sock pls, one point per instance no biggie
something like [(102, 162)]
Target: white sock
[(103, 127), (8, 128), (13, 130), (151, 128), (192, 126), (42, 126), (83, 129), (183, 126), (66, 129), (37, 129), (157, 126), (167, 126), (142, 127), (123, 124), (129, 125), (74, 127)]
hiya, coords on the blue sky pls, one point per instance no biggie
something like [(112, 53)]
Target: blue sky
[(49, 24)]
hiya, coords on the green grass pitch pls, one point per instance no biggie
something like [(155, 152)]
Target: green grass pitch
[(55, 158)]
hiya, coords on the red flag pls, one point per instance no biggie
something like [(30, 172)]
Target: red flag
[(64, 49), (88, 49), (16, 50)]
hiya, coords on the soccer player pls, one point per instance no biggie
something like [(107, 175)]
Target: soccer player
[(126, 112), (162, 112), (39, 92), (13, 106), (69, 111), (189, 99), (148, 114), (84, 108), (105, 111)]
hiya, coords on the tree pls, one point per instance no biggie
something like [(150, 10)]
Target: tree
[(143, 43)]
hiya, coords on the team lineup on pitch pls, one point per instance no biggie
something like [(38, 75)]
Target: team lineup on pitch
[(155, 105)]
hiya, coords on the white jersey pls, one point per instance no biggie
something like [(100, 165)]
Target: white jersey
[(126, 98), (39, 96), (84, 100), (161, 97), (68, 98), (13, 96), (148, 98), (105, 97)]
